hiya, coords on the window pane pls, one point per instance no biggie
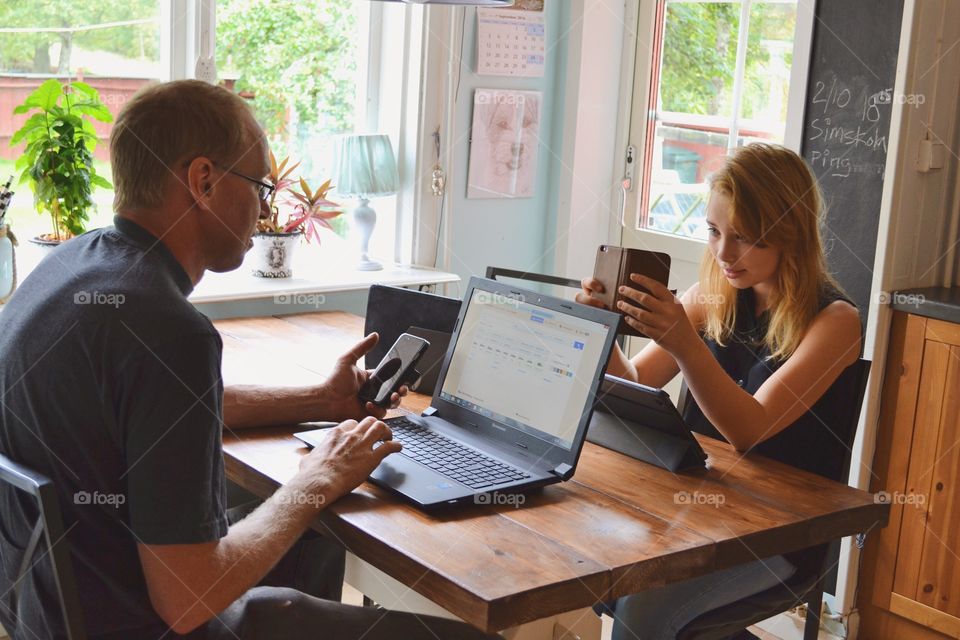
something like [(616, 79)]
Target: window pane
[(699, 56), (297, 64), (763, 110), (694, 125), (113, 46)]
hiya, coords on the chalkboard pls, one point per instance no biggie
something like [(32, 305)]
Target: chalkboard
[(846, 128)]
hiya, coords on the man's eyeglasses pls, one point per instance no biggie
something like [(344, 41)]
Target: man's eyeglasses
[(264, 190)]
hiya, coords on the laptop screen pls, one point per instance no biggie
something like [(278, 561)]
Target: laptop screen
[(524, 366)]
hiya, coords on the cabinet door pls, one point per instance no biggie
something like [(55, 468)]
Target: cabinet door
[(926, 585)]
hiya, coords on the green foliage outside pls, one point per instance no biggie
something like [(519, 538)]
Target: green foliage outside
[(700, 54), (30, 52), (298, 59)]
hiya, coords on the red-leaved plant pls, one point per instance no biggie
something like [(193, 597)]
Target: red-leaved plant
[(311, 209)]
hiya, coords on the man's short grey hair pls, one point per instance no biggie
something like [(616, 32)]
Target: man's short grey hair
[(167, 124)]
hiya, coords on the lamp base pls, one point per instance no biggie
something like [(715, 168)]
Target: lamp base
[(369, 265), (364, 219)]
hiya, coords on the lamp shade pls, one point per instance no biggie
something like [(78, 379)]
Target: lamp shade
[(365, 166)]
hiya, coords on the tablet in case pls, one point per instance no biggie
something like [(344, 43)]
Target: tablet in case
[(613, 268), (642, 422), (393, 310), (432, 359)]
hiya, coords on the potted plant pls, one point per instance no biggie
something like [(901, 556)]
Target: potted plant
[(58, 158), (308, 211)]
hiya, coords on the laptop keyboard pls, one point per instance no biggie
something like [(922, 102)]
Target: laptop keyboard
[(452, 459)]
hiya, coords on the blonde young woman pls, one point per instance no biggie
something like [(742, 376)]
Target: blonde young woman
[(760, 340)]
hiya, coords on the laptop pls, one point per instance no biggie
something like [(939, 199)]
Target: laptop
[(513, 400), (643, 423)]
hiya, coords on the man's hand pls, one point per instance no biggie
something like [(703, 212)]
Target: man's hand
[(341, 388), (348, 454), (189, 583), (335, 399)]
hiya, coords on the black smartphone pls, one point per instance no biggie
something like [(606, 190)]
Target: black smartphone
[(395, 370)]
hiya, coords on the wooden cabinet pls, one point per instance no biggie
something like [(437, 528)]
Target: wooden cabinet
[(910, 585)]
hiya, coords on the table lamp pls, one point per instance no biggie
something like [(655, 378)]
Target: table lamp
[(365, 167)]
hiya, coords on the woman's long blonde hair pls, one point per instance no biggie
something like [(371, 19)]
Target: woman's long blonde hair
[(775, 201)]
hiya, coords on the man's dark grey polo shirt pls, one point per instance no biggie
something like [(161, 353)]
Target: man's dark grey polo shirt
[(110, 385)]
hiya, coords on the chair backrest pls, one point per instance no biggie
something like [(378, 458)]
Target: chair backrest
[(858, 373), (49, 527), (493, 272)]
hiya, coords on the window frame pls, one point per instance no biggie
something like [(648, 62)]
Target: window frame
[(636, 103)]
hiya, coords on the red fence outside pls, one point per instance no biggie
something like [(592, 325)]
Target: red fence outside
[(14, 89)]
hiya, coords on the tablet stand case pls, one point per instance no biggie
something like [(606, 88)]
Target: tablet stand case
[(394, 310), (608, 428)]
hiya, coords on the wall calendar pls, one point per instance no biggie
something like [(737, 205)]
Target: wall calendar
[(510, 43)]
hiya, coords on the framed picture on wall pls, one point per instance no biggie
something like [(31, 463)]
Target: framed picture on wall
[(505, 143)]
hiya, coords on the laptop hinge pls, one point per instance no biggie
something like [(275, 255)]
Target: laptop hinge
[(429, 411), (563, 471)]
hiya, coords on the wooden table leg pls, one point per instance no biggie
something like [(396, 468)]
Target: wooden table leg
[(582, 624)]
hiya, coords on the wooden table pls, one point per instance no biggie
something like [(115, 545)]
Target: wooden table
[(619, 527)]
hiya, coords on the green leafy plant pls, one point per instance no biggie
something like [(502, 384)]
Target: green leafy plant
[(58, 158), (310, 208)]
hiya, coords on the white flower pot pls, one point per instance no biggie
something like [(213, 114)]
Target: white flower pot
[(272, 254)]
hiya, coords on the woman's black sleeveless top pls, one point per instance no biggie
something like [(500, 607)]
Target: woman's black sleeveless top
[(817, 440)]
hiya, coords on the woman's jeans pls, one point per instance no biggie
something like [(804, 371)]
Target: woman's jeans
[(660, 614)]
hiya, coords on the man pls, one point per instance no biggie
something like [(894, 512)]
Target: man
[(110, 384)]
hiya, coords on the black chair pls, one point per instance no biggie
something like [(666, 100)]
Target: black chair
[(48, 535), (728, 622)]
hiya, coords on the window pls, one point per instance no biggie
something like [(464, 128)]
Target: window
[(721, 76), (302, 87), (315, 69), (311, 69), (113, 46)]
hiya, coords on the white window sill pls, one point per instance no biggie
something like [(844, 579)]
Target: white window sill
[(318, 270)]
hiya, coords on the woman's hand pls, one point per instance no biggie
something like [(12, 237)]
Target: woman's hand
[(590, 287), (663, 318)]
